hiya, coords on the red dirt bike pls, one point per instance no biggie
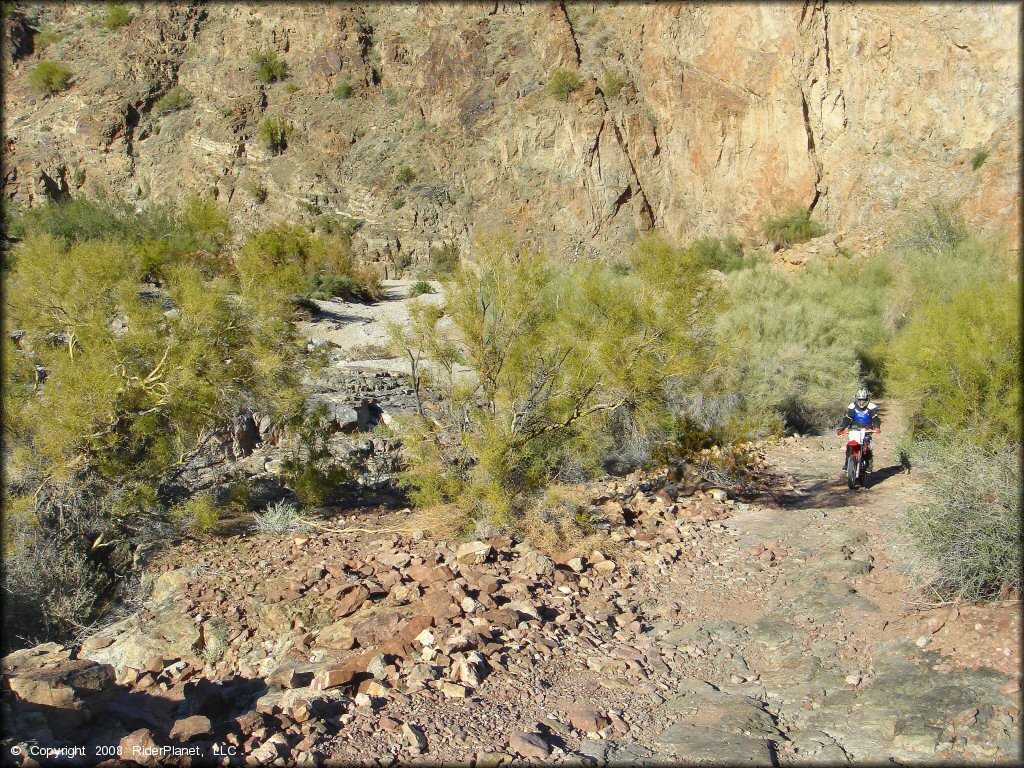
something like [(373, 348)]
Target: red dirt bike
[(858, 455)]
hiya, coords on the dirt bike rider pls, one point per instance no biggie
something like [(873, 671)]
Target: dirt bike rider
[(863, 414)]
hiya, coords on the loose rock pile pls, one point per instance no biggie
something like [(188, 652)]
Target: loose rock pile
[(311, 634)]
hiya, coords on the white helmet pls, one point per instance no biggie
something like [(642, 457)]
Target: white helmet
[(862, 397)]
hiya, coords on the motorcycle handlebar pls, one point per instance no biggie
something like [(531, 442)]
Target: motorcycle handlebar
[(844, 431)]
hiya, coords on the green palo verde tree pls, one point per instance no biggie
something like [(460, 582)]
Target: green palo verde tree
[(553, 354), (118, 380)]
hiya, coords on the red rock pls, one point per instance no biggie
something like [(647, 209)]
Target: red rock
[(334, 677), (529, 745), (502, 617), (189, 728), (588, 720), (414, 625), (141, 747), (350, 601), (378, 628)]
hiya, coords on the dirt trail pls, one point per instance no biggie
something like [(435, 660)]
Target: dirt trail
[(791, 637)]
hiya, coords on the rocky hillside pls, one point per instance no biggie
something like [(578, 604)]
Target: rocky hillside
[(427, 122)]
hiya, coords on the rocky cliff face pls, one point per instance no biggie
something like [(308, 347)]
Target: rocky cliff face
[(724, 114)]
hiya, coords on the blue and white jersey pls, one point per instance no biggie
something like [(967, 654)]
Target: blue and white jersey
[(862, 417)]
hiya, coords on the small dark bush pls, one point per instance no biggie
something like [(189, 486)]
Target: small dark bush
[(329, 286), (45, 37), (443, 260), (269, 68), (612, 83), (343, 91), (979, 159), (274, 133), (405, 175), (175, 99), (258, 191), (724, 255)]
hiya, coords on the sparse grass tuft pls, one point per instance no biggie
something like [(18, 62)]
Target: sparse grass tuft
[(46, 36), (612, 82), (343, 91), (979, 159)]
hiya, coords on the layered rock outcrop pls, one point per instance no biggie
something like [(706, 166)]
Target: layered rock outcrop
[(721, 115)]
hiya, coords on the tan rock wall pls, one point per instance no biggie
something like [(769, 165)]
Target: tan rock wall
[(729, 112)]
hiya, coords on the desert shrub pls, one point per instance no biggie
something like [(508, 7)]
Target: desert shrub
[(175, 99), (291, 88), (561, 522), (563, 82), (117, 16), (46, 36), (280, 517), (310, 469), (792, 227), (343, 91), (258, 191), (397, 202), (967, 534), (956, 364), (50, 77), (979, 159), (612, 82), (442, 261), (296, 261), (553, 352), (116, 388), (328, 286), (936, 228), (160, 235), (405, 175), (419, 288), (198, 514), (725, 255), (794, 347), (268, 67), (274, 133)]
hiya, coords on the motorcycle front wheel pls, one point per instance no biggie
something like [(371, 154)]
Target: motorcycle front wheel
[(852, 466)]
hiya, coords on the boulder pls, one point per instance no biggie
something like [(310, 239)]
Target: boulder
[(529, 745), (473, 552), (189, 728), (48, 684)]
